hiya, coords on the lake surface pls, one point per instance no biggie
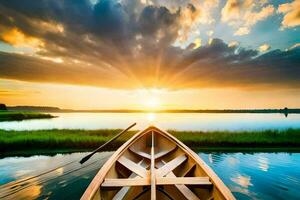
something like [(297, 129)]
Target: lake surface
[(179, 121), (249, 176)]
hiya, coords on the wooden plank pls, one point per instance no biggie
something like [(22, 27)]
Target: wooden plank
[(141, 153), (185, 171), (183, 181), (124, 190), (190, 195), (167, 168), (121, 182), (184, 189), (134, 167), (165, 152), (152, 168), (156, 156)]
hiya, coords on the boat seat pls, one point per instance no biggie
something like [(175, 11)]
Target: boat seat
[(121, 182)]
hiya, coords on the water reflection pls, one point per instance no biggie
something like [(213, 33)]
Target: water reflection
[(31, 192), (180, 121), (232, 161), (30, 189), (263, 163), (265, 176), (215, 158), (244, 181), (243, 193), (59, 171), (258, 175), (36, 184), (151, 117)]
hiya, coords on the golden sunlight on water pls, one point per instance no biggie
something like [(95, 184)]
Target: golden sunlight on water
[(151, 118), (30, 189), (178, 121)]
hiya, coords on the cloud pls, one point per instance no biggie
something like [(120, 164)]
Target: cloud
[(242, 15), (188, 17), (264, 47), (233, 44), (254, 17), (294, 46), (192, 15), (129, 44), (242, 31), (197, 43), (291, 14), (16, 38), (209, 33)]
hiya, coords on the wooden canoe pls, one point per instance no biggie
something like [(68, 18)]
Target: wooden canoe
[(153, 164)]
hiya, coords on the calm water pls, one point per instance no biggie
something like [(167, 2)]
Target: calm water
[(249, 176), (180, 121)]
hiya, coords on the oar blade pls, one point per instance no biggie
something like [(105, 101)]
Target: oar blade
[(84, 159)]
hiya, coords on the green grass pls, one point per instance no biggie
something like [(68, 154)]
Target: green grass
[(288, 137), (89, 139), (17, 115), (64, 138)]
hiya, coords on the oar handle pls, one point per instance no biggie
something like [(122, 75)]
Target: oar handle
[(84, 159)]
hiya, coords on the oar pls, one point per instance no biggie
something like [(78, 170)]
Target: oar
[(83, 160)]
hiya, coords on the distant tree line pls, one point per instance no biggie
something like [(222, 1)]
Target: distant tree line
[(35, 108), (3, 106)]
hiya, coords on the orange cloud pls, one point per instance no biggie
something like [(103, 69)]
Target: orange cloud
[(291, 14), (140, 47), (48, 26), (17, 38), (242, 31), (253, 17), (264, 47), (188, 16), (195, 14), (242, 15), (231, 10), (233, 44)]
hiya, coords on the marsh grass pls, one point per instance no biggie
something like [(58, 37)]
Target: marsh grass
[(17, 115), (265, 138), (89, 139)]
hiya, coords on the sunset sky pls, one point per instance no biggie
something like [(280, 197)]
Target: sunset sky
[(160, 54)]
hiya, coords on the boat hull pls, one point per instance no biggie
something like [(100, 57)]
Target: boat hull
[(153, 164)]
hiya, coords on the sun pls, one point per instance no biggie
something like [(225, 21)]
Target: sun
[(150, 99), (152, 103)]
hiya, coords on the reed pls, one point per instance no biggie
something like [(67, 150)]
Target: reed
[(89, 139), (265, 138)]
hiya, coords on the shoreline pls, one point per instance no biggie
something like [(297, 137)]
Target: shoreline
[(76, 140), (244, 150), (6, 116), (284, 111)]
